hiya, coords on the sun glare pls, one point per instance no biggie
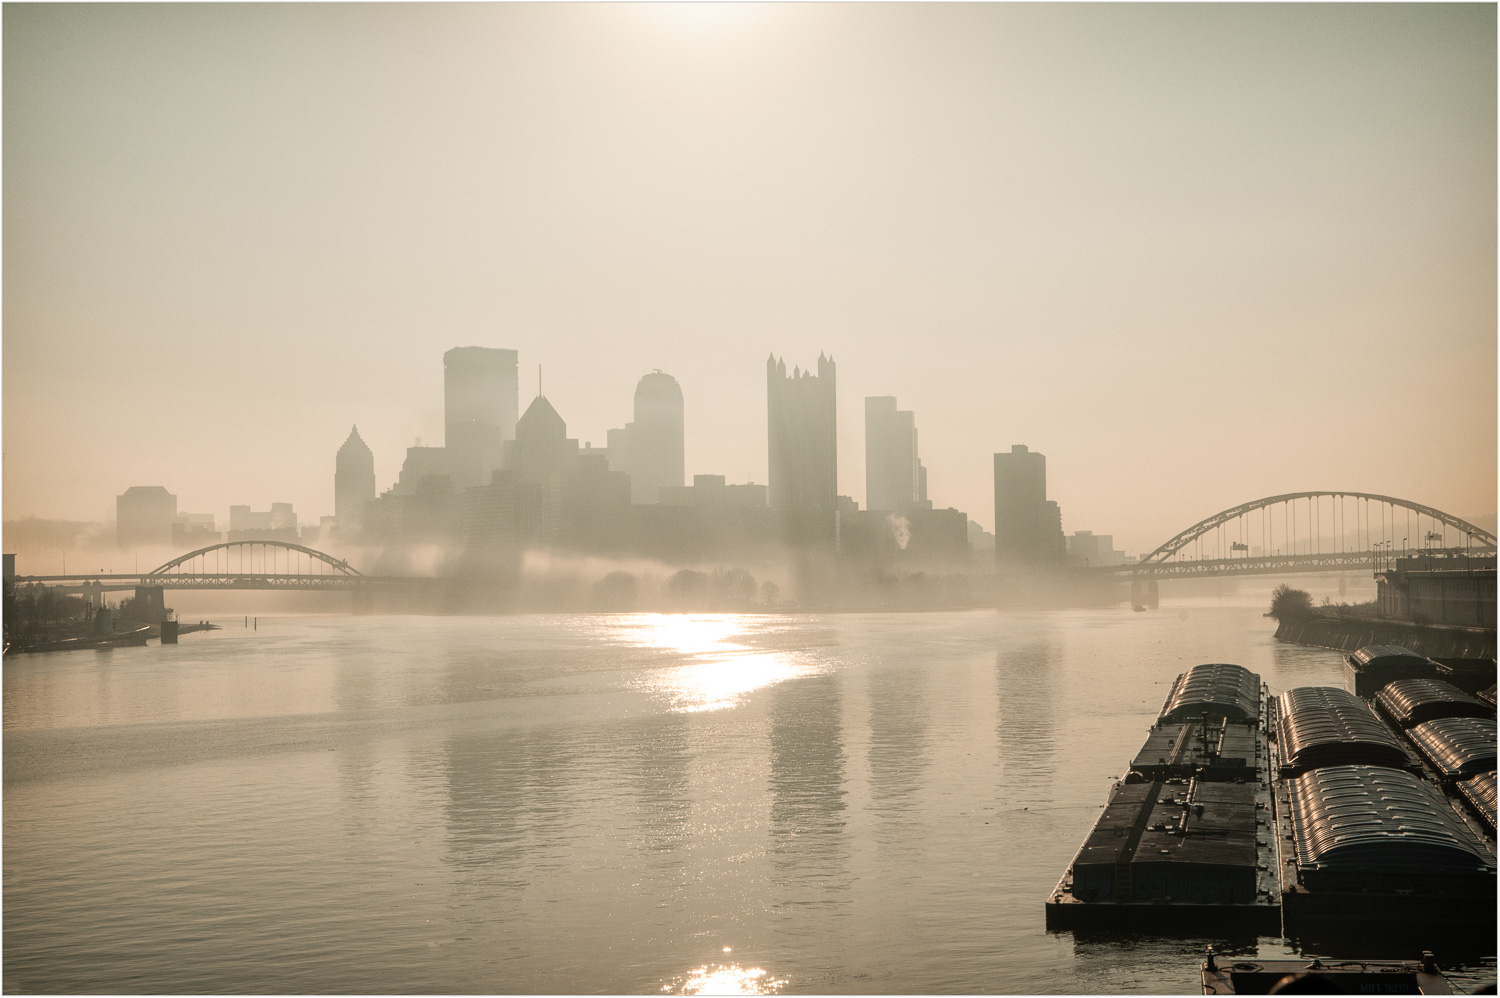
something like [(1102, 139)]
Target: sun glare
[(701, 20), (729, 980), (719, 671)]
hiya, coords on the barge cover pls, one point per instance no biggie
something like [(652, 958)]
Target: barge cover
[(1376, 844), (1479, 793), (1325, 726), (1216, 690), (1457, 747), (1410, 702)]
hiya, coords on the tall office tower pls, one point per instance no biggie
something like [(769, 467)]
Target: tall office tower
[(650, 449), (542, 454), (479, 411), (891, 476), (802, 438), (541, 448), (353, 483), (144, 515), (1028, 528)]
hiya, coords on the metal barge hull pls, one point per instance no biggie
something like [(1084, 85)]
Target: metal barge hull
[(1440, 914), (1382, 977), (1151, 876)]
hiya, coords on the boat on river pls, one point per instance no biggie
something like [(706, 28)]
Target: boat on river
[(120, 639), (1185, 839), (1323, 977), (1299, 815)]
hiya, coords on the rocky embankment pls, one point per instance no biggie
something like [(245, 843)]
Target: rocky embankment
[(1350, 631)]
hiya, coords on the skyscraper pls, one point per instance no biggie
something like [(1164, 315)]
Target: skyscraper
[(1028, 528), (891, 476), (144, 515), (803, 446), (479, 410), (543, 455), (353, 483), (541, 449), (650, 449)]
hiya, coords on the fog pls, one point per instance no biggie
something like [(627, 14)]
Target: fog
[(1194, 255)]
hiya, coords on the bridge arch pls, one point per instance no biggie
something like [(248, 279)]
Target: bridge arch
[(338, 564), (1202, 527)]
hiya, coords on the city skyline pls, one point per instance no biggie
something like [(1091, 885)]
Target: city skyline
[(1111, 351), (210, 303)]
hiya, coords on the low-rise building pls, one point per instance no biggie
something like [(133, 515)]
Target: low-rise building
[(279, 523), (1428, 590)]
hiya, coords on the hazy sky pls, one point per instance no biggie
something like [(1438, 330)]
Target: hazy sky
[(1194, 254)]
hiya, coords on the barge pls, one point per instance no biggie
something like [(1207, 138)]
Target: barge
[(1185, 839), (1374, 846), (1381, 977), (1298, 815)]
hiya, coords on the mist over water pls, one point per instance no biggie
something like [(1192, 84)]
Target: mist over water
[(615, 681), (619, 803)]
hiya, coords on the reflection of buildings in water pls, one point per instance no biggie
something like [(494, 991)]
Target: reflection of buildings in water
[(358, 795), (656, 755), (897, 751), (807, 789), (1025, 729), (509, 803), (356, 683)]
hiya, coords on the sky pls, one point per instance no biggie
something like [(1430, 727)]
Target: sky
[(1195, 254)]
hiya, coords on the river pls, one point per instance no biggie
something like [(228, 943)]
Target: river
[(644, 803)]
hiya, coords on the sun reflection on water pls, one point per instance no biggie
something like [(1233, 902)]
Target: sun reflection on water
[(719, 670), (727, 979)]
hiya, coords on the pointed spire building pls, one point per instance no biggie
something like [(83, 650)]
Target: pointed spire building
[(353, 483)]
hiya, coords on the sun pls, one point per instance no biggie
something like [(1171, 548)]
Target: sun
[(703, 20)]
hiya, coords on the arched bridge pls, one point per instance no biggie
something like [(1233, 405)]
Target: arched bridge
[(282, 559), (260, 564), (1313, 532)]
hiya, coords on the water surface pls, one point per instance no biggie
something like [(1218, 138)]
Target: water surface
[(630, 803)]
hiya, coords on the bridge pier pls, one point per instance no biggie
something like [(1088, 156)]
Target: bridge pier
[(1144, 592), (154, 600), (363, 601)]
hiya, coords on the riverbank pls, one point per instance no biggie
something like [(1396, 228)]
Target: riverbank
[(1349, 632), (113, 639)]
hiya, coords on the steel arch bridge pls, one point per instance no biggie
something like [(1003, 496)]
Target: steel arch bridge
[(1311, 532), (272, 565), (247, 551)]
